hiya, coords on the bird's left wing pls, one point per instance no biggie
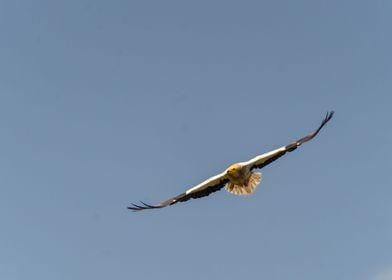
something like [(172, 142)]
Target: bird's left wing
[(205, 188), (267, 158)]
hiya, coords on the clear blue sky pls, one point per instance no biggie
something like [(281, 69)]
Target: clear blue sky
[(103, 103)]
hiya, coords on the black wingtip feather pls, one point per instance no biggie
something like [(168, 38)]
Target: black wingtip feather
[(328, 116), (311, 135), (136, 207)]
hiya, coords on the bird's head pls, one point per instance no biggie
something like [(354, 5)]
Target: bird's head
[(234, 170)]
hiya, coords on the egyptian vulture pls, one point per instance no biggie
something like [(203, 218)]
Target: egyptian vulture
[(239, 178)]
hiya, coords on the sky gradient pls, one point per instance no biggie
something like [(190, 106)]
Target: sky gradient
[(104, 103)]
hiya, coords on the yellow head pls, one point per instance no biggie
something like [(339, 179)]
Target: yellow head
[(234, 170)]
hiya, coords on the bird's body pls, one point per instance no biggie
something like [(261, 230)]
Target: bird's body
[(242, 180), (239, 178)]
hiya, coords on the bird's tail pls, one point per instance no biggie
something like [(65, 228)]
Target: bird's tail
[(248, 188)]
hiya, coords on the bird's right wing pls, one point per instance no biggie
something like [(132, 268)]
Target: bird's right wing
[(265, 159), (205, 188)]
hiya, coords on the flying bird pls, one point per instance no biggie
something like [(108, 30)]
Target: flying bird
[(240, 178)]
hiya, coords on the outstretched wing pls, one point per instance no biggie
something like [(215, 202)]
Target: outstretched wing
[(205, 188), (267, 158)]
